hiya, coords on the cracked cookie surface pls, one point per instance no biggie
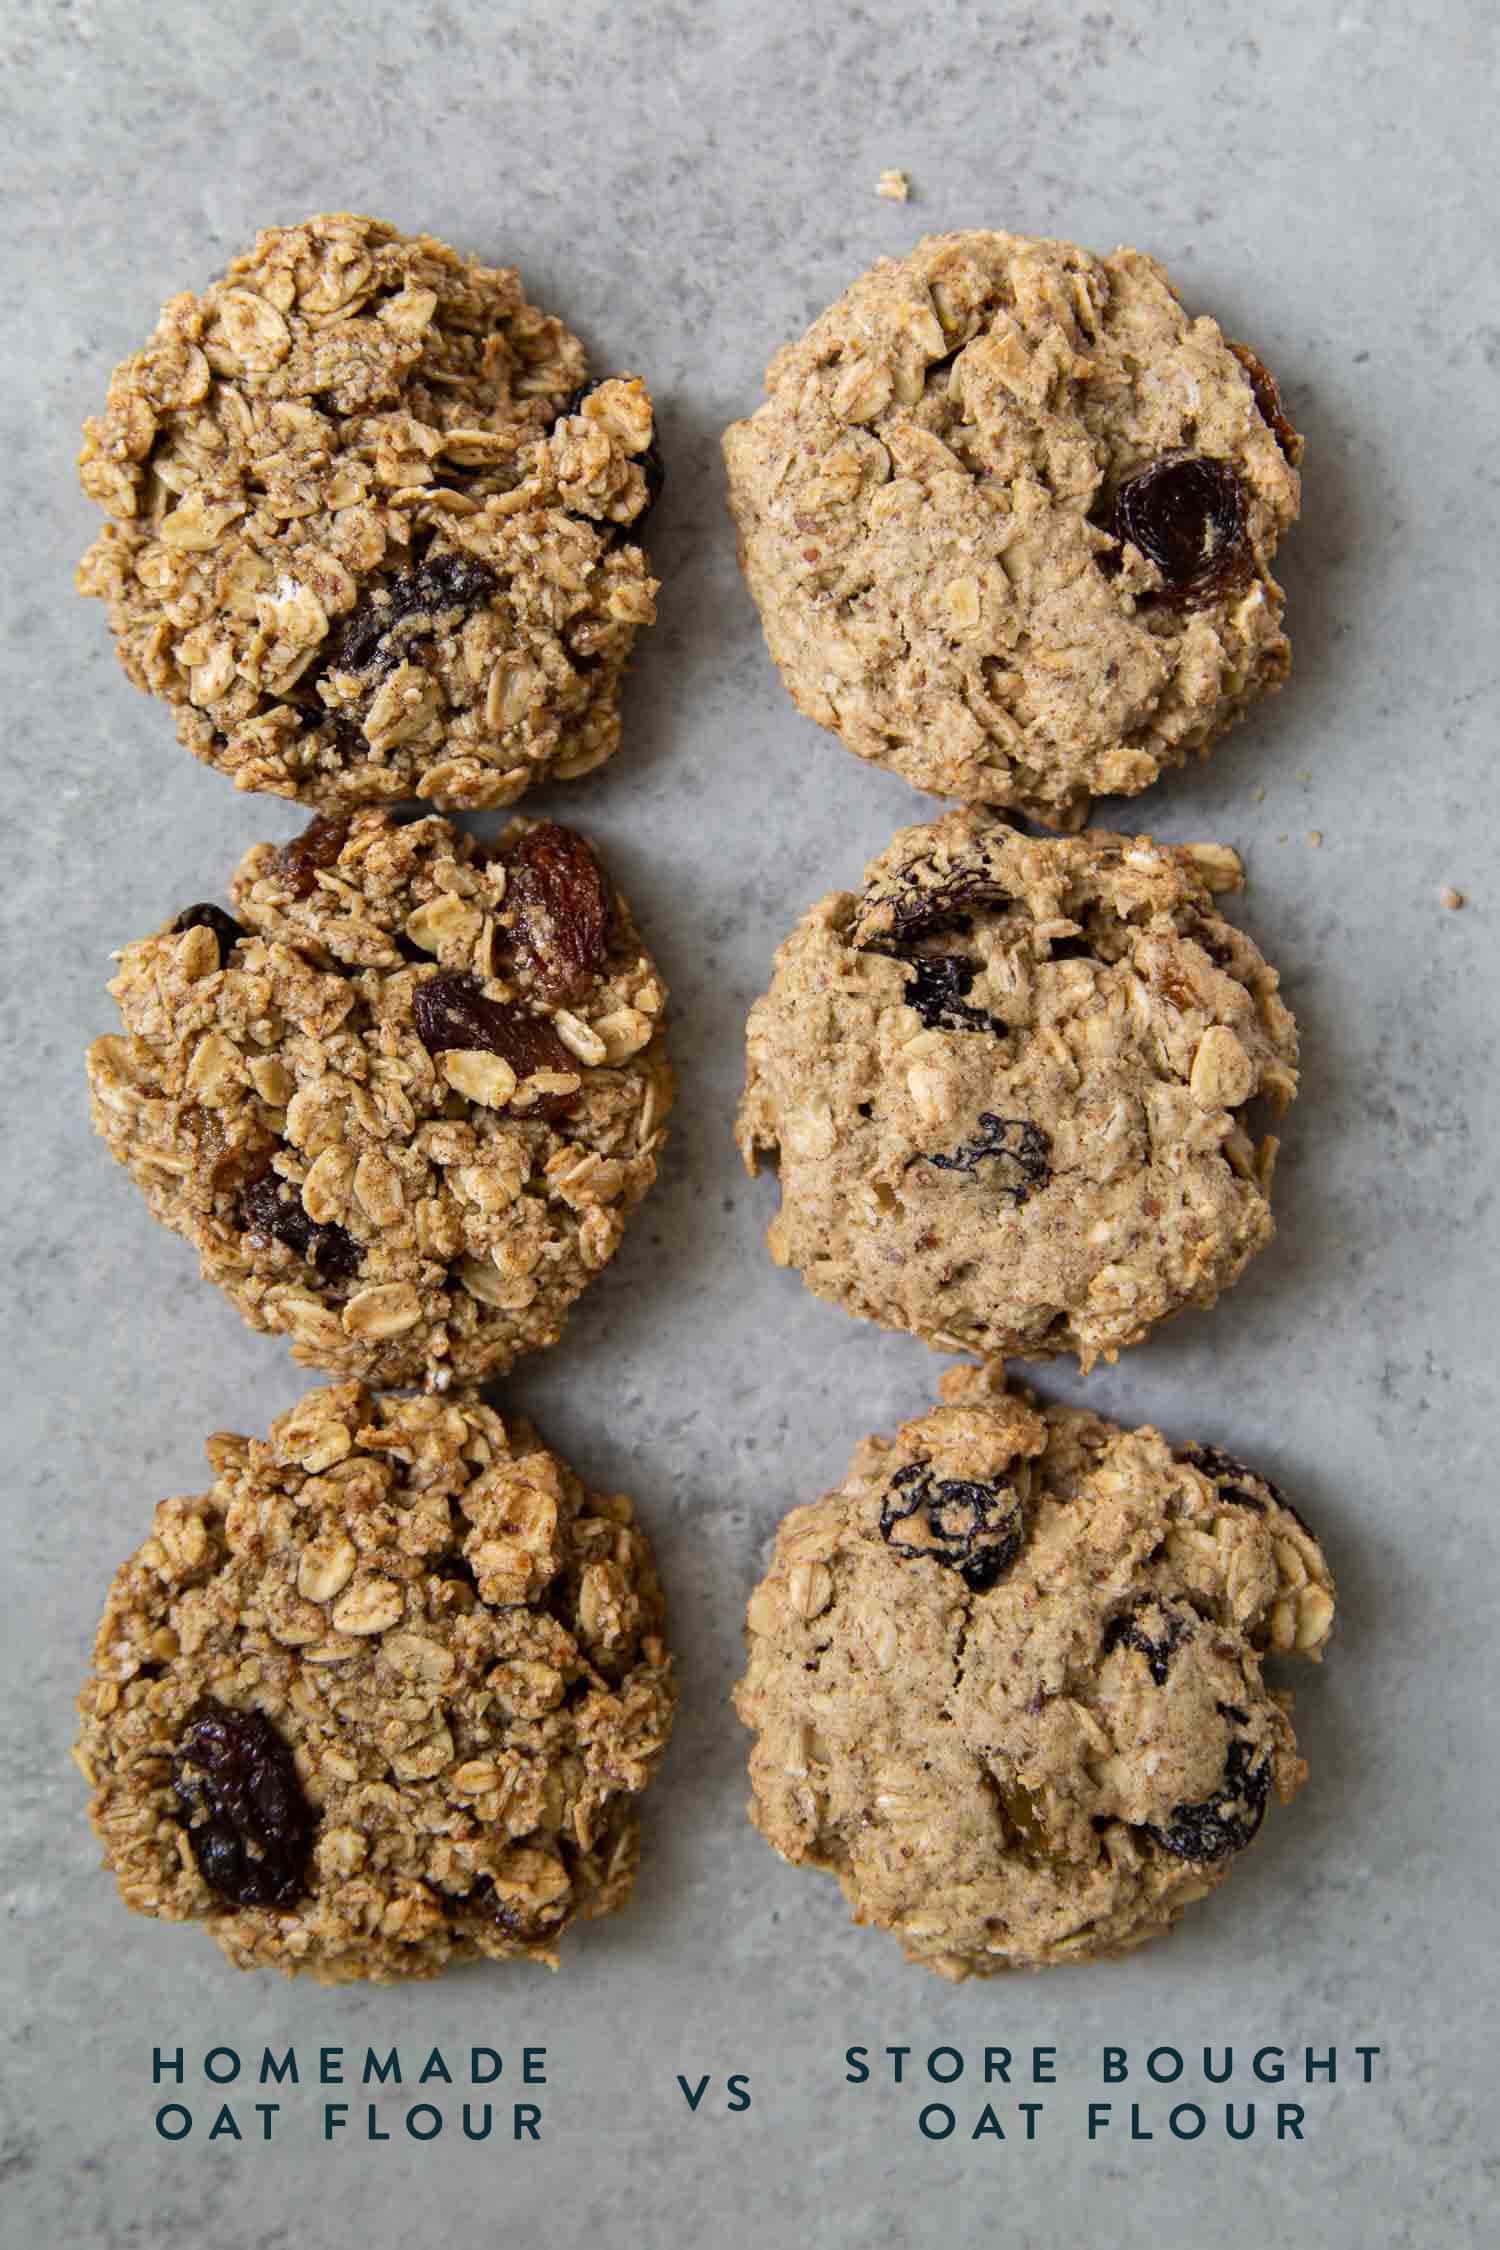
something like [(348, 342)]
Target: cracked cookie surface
[(370, 533), (1008, 514), (1005, 1086), (384, 1698), (1040, 1750), (403, 1100)]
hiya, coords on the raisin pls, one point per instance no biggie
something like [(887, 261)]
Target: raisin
[(650, 463), (298, 863), (1268, 401), (526, 1929), (271, 1210), (1014, 1142), (1186, 514), (255, 1833), (1231, 1478), (1225, 1822), (975, 1529), (943, 906), (563, 908), (1127, 1631), (938, 983), (450, 583), (226, 929), (452, 1010)]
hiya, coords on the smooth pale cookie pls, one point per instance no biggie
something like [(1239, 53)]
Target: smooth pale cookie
[(371, 534), (1009, 516), (404, 1105), (385, 1698), (1006, 1682), (1006, 1083)]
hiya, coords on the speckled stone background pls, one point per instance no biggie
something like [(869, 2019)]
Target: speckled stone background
[(688, 184)]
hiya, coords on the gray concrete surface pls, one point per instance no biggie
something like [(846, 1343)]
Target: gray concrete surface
[(688, 184)]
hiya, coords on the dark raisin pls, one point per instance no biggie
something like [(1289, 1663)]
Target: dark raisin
[(938, 983), (448, 586), (451, 1010), (526, 1929), (299, 862), (1268, 401), (562, 905), (248, 1822), (226, 929), (975, 1529), (943, 906), (270, 1210), (1225, 1822), (1158, 1648), (1186, 514), (650, 463), (1232, 1478), (1013, 1142)]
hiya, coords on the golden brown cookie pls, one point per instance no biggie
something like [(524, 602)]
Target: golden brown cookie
[(403, 1106), (1006, 1682), (1007, 1085), (371, 534), (1009, 515), (383, 1699)]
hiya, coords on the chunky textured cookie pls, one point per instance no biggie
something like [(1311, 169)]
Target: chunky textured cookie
[(1005, 1683), (1009, 517), (403, 1105), (370, 532), (384, 1698), (1007, 1083)]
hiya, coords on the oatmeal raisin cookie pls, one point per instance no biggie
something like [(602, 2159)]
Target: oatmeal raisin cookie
[(404, 1099), (370, 533), (1006, 1682), (384, 1698), (1007, 1085), (1009, 515)]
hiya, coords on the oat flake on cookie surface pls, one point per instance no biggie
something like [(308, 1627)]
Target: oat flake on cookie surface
[(1006, 1086), (402, 1101), (1009, 516), (1006, 1682), (371, 533), (384, 1698)]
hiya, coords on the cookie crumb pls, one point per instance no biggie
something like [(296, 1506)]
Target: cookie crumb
[(1451, 898), (1315, 837), (894, 186)]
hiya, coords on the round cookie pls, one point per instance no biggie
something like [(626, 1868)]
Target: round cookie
[(1009, 515), (1005, 1683), (368, 525), (383, 1699), (1006, 1086), (403, 1106)]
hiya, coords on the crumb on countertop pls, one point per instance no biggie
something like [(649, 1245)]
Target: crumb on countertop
[(1451, 898), (894, 186)]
